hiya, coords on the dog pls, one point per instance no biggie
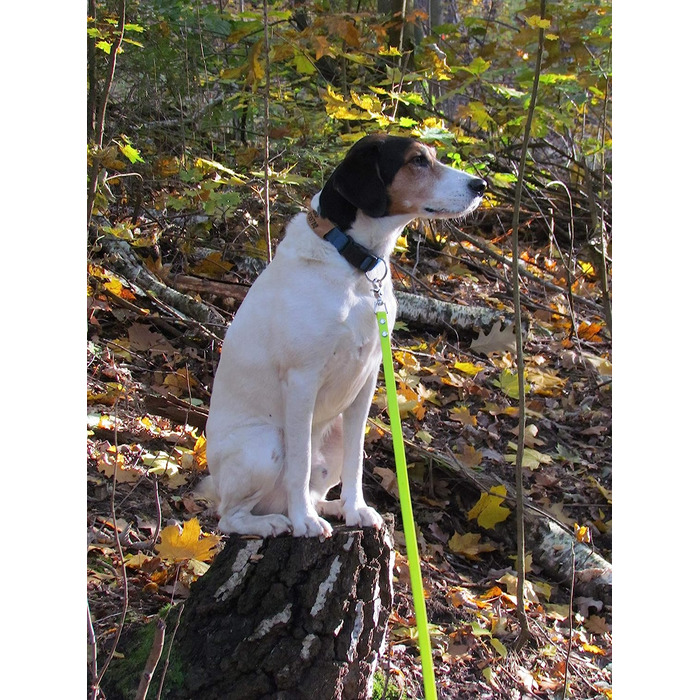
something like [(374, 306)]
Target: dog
[(299, 362)]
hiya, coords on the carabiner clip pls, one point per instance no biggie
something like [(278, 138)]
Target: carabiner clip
[(376, 283)]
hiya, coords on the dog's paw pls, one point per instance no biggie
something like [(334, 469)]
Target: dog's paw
[(363, 516), (261, 525), (311, 526), (330, 509)]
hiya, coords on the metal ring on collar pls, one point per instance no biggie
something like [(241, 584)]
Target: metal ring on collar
[(378, 280)]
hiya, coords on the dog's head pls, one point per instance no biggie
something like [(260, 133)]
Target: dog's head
[(392, 175)]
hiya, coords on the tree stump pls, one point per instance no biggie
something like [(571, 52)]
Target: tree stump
[(288, 618)]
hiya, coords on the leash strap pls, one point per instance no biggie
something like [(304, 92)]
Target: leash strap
[(426, 656)]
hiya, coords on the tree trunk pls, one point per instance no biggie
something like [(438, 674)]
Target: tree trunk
[(288, 618)]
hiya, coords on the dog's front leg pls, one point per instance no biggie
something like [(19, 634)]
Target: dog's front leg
[(356, 511), (300, 399)]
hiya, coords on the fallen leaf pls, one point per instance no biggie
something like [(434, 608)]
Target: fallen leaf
[(190, 543), (112, 461), (497, 644), (499, 339), (141, 337), (468, 368), (532, 459), (462, 415), (469, 545), (597, 625), (388, 479), (488, 511)]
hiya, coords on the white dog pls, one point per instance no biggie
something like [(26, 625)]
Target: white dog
[(299, 363)]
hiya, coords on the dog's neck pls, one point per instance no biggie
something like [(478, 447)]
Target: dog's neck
[(378, 235)]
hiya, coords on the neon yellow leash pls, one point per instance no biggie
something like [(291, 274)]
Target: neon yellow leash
[(426, 656)]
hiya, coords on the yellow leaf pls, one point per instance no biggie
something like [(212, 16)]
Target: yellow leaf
[(408, 360), (583, 534), (468, 368), (468, 545), (212, 266), (545, 383), (532, 459), (488, 511), (181, 546), (200, 453), (111, 461), (593, 649), (410, 402)]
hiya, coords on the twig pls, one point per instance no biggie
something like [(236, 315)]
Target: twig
[(166, 663), (122, 562), (92, 646), (102, 111), (571, 620), (525, 633), (266, 100), (152, 660)]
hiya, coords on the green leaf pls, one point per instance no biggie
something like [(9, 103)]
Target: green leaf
[(131, 153), (498, 646), (508, 383), (104, 46), (303, 64), (478, 66)]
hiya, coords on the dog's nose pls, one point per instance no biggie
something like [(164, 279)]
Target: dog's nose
[(478, 186)]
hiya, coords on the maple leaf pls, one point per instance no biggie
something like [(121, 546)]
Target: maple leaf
[(488, 511), (470, 457), (182, 546), (462, 415), (468, 545), (111, 461)]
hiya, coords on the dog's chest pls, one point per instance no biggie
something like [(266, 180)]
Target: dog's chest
[(353, 360)]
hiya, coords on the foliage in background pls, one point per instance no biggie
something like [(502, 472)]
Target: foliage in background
[(186, 106)]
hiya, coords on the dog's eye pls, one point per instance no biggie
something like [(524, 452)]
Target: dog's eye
[(420, 161)]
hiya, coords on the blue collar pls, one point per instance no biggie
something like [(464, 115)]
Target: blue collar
[(357, 255)]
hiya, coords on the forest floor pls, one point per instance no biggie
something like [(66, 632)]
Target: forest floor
[(150, 371)]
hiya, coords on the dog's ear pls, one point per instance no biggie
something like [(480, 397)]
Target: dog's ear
[(358, 178)]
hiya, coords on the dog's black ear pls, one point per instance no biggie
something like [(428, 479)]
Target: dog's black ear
[(358, 178)]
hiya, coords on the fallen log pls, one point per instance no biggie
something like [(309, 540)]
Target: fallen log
[(553, 545), (121, 258), (288, 618), (427, 311)]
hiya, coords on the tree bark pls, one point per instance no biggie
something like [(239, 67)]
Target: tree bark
[(288, 618)]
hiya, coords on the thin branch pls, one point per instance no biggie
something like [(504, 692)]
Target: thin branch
[(525, 633), (122, 562), (102, 111), (152, 660), (268, 238)]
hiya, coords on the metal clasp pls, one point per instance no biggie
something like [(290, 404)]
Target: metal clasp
[(376, 283)]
